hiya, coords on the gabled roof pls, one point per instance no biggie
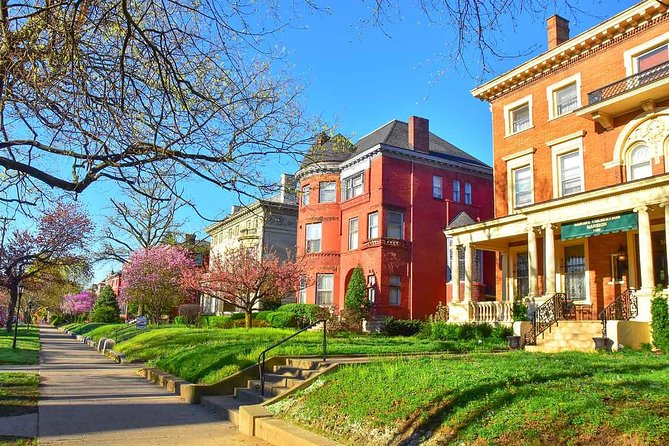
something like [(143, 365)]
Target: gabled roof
[(396, 134), (462, 219)]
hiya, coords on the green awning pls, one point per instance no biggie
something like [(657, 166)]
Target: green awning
[(599, 226)]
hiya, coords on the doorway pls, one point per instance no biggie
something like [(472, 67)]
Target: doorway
[(574, 272)]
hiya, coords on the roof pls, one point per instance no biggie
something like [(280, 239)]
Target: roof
[(328, 149), (396, 134)]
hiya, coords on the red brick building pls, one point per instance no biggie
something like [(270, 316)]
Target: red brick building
[(581, 155), (382, 204)]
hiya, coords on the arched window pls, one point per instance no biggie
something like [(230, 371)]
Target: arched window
[(639, 163)]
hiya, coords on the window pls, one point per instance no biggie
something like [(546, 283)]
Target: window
[(570, 173), (639, 163), (313, 237), (302, 297), (327, 192), (456, 190), (353, 186), (652, 58), (353, 233), (468, 193), (324, 289), (394, 291), (566, 99), (437, 187), (371, 288), (305, 195), (394, 226), (522, 186), (520, 118), (372, 225)]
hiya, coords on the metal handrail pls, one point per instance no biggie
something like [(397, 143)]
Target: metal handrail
[(548, 314), (623, 308), (629, 83), (261, 357)]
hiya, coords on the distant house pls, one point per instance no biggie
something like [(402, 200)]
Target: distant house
[(266, 225)]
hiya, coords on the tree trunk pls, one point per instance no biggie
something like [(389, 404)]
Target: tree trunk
[(248, 319), (13, 296)]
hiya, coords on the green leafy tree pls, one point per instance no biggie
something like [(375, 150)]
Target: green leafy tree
[(660, 322), (356, 301), (106, 307)]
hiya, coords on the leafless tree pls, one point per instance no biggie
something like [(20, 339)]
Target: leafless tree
[(96, 89)]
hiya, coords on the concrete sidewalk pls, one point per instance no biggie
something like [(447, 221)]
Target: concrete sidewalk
[(87, 399)]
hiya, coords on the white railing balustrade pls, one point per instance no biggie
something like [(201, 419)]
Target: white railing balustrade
[(491, 311)]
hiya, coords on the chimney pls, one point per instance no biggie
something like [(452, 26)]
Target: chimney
[(419, 134), (558, 31), (322, 138), (234, 209), (288, 186)]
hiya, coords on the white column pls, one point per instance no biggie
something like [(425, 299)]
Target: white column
[(549, 259), (666, 233), (645, 249), (503, 259), (532, 261), (469, 272), (455, 273)]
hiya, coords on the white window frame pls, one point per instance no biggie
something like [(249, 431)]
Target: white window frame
[(372, 230), (394, 288), (305, 195), (333, 191), (371, 288), (319, 290), (630, 55), (515, 162), (509, 108), (437, 186), (551, 95), (468, 192), (457, 196), (349, 188), (302, 296), (401, 226), (565, 147), (353, 233), (313, 248), (628, 160)]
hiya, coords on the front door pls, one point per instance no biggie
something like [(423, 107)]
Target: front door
[(522, 276), (574, 272)]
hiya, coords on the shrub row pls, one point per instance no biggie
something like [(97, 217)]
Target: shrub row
[(443, 331)]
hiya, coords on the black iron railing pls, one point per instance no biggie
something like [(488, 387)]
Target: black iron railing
[(556, 308), (262, 356), (624, 308), (629, 83)]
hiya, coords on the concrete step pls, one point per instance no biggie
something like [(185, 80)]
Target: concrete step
[(307, 364), (225, 406), (277, 380), (294, 372), (571, 336), (544, 349), (249, 396)]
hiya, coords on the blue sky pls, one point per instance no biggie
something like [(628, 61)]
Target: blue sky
[(357, 77)]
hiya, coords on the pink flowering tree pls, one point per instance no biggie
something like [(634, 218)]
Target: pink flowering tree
[(79, 303), (154, 279), (244, 279)]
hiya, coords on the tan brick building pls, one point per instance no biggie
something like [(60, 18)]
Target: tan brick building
[(581, 162)]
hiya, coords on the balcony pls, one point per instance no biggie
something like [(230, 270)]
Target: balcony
[(392, 242), (640, 90)]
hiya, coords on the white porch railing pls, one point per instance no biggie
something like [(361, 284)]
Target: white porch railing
[(491, 311)]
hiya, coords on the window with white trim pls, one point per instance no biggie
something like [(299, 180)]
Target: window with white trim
[(371, 288), (305, 195), (437, 186), (302, 296), (522, 186), (353, 186), (652, 58), (468, 193), (313, 234), (570, 173), (565, 99), (639, 162), (394, 225), (518, 116), (353, 233), (394, 290), (327, 192), (372, 225), (324, 289), (456, 190)]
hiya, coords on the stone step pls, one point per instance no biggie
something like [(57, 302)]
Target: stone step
[(225, 406), (570, 336), (545, 349), (294, 372), (279, 380), (248, 396), (307, 364)]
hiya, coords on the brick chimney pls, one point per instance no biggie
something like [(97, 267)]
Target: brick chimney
[(558, 31), (419, 134)]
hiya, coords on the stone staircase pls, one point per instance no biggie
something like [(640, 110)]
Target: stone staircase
[(568, 335), (282, 379)]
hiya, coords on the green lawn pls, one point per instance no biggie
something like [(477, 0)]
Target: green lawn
[(27, 346), (503, 399), (208, 355), (18, 393)]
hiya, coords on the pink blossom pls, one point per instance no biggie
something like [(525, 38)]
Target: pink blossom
[(78, 303)]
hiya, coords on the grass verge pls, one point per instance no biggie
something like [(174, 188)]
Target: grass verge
[(27, 346), (19, 393), (502, 399)]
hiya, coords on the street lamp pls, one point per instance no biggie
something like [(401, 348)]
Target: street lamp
[(19, 289)]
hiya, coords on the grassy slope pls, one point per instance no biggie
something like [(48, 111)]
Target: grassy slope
[(18, 393), (506, 399), (201, 355), (27, 346)]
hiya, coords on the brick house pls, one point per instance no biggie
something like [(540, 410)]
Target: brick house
[(581, 145), (382, 204)]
